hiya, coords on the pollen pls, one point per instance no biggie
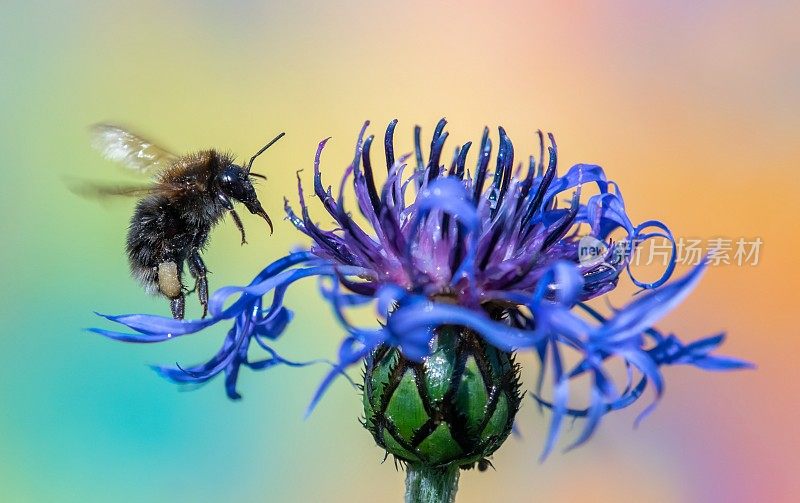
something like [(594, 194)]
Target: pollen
[(168, 281)]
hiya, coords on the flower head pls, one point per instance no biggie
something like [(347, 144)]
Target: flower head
[(498, 252)]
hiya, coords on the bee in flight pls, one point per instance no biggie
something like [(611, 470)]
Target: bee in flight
[(188, 195)]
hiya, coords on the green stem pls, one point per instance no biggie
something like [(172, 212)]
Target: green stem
[(431, 485)]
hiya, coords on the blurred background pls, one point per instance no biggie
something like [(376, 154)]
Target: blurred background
[(693, 107)]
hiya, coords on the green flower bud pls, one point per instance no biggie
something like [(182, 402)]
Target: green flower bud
[(456, 407)]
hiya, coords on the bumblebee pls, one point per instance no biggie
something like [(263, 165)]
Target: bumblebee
[(188, 196)]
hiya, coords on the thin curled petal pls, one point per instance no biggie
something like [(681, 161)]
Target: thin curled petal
[(639, 236)]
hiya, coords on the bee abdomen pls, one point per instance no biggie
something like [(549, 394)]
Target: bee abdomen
[(162, 234)]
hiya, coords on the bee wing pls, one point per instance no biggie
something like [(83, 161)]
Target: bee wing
[(103, 191), (124, 147)]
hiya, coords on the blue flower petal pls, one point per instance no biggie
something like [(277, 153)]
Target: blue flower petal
[(407, 319), (151, 324), (560, 398), (649, 307)]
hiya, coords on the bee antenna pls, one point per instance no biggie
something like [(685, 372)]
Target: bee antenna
[(265, 147)]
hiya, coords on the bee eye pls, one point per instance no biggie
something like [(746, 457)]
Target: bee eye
[(229, 177), (233, 181), (225, 179)]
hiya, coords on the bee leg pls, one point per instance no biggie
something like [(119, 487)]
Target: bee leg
[(177, 305), (169, 283), (198, 269), (238, 222)]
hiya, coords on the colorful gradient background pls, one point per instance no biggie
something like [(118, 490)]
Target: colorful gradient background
[(693, 107)]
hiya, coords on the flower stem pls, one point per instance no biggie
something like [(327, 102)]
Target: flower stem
[(431, 485)]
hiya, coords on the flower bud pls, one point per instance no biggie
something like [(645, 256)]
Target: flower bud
[(455, 407)]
